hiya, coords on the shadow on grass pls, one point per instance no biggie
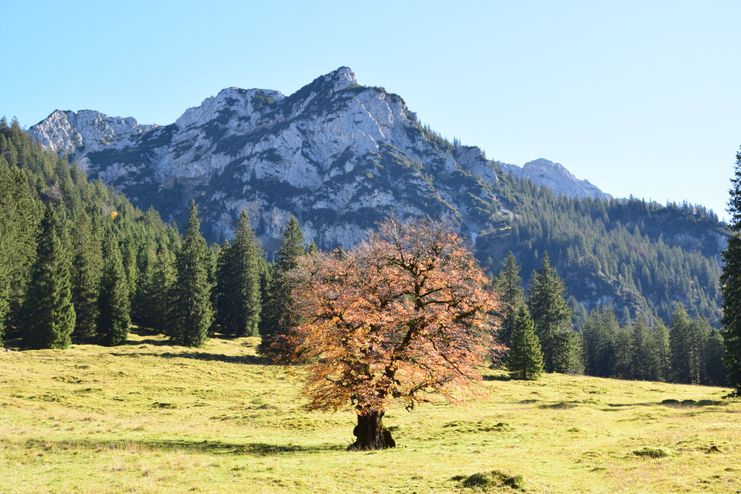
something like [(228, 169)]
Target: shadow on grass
[(498, 377), (212, 357), (211, 447), (672, 403)]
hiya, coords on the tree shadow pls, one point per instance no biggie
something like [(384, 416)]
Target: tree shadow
[(671, 403), (213, 357), (501, 377), (211, 447)]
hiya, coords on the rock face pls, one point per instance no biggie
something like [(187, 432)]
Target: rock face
[(556, 177), (338, 155)]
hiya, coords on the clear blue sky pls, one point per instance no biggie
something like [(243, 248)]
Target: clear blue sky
[(639, 97)]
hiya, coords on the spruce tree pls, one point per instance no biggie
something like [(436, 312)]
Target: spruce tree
[(511, 296), (238, 282), (681, 343), (144, 309), (48, 313), (87, 265), (192, 311), (164, 276), (114, 304), (525, 356), (280, 314), (552, 318), (731, 284)]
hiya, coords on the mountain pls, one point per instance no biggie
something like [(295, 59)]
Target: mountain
[(556, 177), (335, 151), (341, 156)]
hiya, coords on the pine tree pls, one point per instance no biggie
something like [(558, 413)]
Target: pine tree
[(192, 311), (144, 310), (114, 305), (48, 312), (552, 318), (164, 277), (599, 333), (238, 282), (511, 296), (87, 265), (663, 351), (280, 314), (731, 285), (525, 357), (686, 341)]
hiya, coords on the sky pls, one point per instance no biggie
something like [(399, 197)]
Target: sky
[(640, 98)]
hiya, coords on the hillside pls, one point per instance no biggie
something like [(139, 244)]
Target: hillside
[(149, 417)]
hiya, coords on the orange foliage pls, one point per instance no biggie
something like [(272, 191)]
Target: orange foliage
[(402, 315)]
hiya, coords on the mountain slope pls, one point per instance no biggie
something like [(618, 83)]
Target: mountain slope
[(341, 156)]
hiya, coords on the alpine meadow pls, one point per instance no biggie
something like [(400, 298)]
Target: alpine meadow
[(319, 292)]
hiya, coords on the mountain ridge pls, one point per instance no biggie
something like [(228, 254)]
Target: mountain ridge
[(341, 156)]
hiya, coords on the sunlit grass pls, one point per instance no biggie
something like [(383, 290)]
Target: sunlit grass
[(148, 417)]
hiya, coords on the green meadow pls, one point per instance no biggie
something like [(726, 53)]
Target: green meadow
[(147, 417)]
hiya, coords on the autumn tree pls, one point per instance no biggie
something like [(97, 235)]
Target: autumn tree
[(402, 315)]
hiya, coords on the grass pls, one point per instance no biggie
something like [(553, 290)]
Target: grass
[(148, 417)]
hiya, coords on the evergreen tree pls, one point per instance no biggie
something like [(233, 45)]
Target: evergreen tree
[(511, 296), (280, 314), (686, 340), (599, 333), (48, 312), (645, 357), (144, 310), (87, 265), (715, 371), (114, 305), (699, 333), (192, 311), (552, 318), (731, 284), (164, 276), (238, 282), (525, 357), (663, 351)]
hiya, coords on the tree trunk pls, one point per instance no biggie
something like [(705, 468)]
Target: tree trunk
[(370, 433)]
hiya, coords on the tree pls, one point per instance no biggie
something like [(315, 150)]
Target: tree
[(164, 276), (115, 306), (87, 265), (402, 315), (144, 310), (280, 311), (511, 296), (238, 282), (193, 313), (599, 333), (552, 318), (525, 356), (48, 312), (731, 284)]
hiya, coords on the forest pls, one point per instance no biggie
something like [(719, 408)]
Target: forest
[(80, 264)]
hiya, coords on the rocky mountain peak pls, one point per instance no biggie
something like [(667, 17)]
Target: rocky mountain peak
[(338, 155)]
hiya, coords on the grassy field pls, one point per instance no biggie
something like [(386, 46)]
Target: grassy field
[(148, 417)]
